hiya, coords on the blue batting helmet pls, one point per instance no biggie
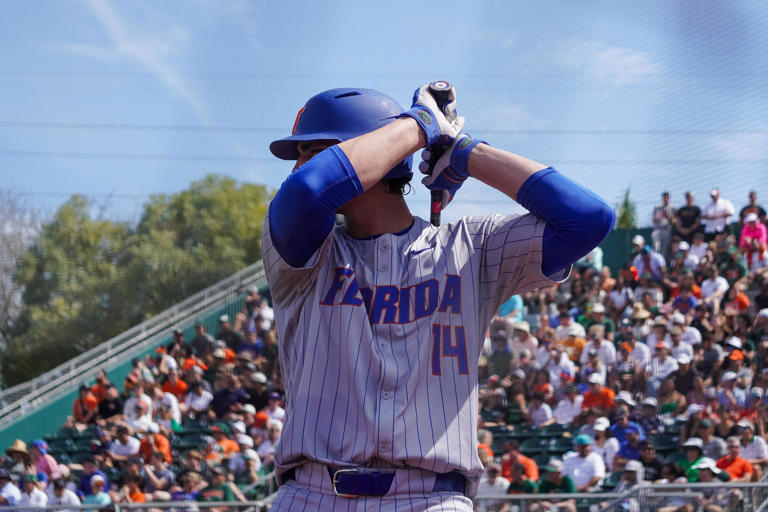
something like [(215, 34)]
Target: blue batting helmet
[(342, 114)]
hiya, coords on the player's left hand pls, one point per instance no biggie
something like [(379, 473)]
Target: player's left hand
[(440, 125), (450, 170)]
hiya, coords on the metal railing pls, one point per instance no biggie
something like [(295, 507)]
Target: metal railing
[(22, 399), (648, 497), (181, 506)]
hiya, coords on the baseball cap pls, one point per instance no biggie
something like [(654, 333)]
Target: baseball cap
[(652, 402), (249, 408), (728, 376), (583, 439), (219, 353), (633, 465), (683, 246), (499, 334), (626, 346), (573, 330), (250, 454), (5, 474), (554, 465), (31, 478), (707, 463), (602, 424), (683, 359), (694, 442), (734, 341), (661, 344), (595, 378), (522, 326), (750, 217), (660, 321), (244, 440), (745, 423), (631, 429), (756, 391), (638, 240), (677, 318), (274, 396), (598, 307), (97, 478), (520, 374), (524, 354), (763, 313), (626, 397), (259, 377), (224, 318), (675, 331)]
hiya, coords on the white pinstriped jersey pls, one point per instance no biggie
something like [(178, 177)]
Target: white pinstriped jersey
[(380, 340)]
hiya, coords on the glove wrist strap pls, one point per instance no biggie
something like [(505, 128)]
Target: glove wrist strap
[(461, 151), (427, 122)]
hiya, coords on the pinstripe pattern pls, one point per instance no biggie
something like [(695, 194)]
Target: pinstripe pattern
[(360, 384)]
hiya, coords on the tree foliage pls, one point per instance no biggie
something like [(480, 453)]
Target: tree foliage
[(86, 280), (627, 216)]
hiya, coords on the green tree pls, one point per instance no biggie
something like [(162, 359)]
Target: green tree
[(87, 280), (627, 215)]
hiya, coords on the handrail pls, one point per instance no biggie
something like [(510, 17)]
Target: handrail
[(23, 398)]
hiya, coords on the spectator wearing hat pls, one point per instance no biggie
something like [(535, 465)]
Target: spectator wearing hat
[(90, 469), (650, 262), (731, 395), (32, 496), (98, 495), (522, 339), (197, 401), (597, 316), (19, 455), (42, 460), (86, 406), (252, 345), (274, 409), (647, 416), (555, 482), (493, 399), (492, 484), (138, 397), (565, 320), (739, 468), (573, 340), (225, 333), (584, 467), (142, 420), (61, 497), (202, 343), (677, 347), (660, 367), (753, 242), (606, 352), (692, 452), (715, 215), (623, 425), (713, 288), (9, 494), (220, 488), (519, 483), (511, 456), (604, 444), (688, 218), (753, 447), (598, 395), (633, 475)]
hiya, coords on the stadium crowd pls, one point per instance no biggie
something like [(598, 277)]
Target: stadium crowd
[(658, 374)]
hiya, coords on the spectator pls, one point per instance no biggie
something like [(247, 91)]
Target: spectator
[(229, 398), (715, 215), (500, 359), (153, 443), (19, 456), (679, 350), (753, 242), (133, 492), (574, 340), (738, 468), (513, 456), (10, 495), (713, 446), (555, 482), (519, 483), (688, 218), (539, 412), (663, 219), (124, 445), (752, 207), (158, 478), (274, 410), (98, 496), (753, 447), (189, 491), (632, 476), (86, 407), (43, 461), (267, 447), (569, 407), (585, 468), (522, 339), (32, 496), (661, 366), (111, 405), (597, 395), (650, 261), (492, 484), (606, 352), (89, 471), (61, 497), (202, 343), (652, 462), (648, 417), (175, 385), (197, 401), (597, 317), (605, 445), (226, 334), (670, 400), (693, 452), (220, 488)]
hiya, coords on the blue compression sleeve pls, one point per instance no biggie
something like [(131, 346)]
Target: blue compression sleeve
[(577, 220), (301, 214)]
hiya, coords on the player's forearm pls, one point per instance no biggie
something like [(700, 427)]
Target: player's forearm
[(372, 155), (501, 169)]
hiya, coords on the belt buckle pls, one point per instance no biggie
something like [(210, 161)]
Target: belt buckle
[(334, 481)]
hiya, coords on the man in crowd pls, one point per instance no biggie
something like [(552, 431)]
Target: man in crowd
[(584, 467)]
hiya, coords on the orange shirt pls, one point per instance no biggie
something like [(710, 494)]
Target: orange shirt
[(178, 389), (99, 391), (573, 347), (161, 445), (81, 407), (137, 497), (486, 449), (737, 467), (531, 469), (603, 399)]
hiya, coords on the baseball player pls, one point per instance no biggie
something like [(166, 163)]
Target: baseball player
[(381, 320)]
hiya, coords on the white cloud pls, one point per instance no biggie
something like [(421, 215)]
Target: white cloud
[(741, 146), (501, 39), (594, 60), (152, 50)]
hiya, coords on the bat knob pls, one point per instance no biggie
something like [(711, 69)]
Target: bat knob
[(440, 90)]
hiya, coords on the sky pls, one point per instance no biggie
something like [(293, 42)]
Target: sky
[(120, 100)]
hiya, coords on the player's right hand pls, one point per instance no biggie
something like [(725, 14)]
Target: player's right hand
[(440, 125), (450, 170)]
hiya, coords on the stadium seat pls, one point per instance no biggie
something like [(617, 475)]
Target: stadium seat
[(611, 480), (552, 430), (534, 445)]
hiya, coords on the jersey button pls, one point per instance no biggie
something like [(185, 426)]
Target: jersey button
[(384, 248), (384, 447), (383, 267), (387, 395), (382, 345)]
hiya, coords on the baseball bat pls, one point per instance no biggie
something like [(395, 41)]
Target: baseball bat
[(440, 90)]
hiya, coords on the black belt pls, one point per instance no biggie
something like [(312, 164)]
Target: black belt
[(351, 483)]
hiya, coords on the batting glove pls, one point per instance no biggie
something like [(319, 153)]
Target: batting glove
[(450, 170), (440, 125)]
